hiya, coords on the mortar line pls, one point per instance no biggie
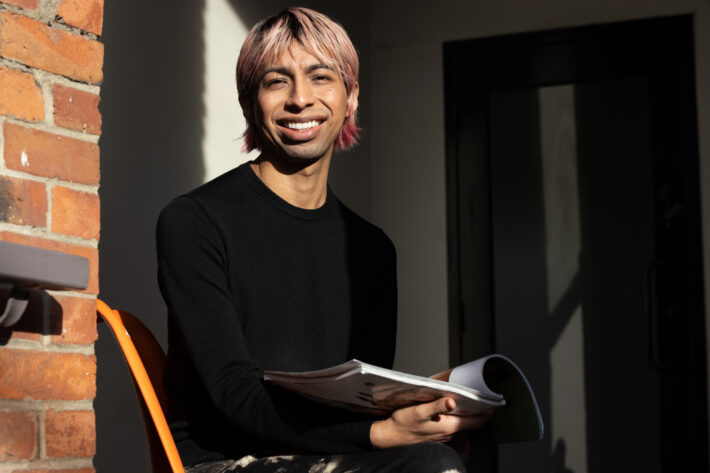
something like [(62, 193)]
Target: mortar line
[(47, 96), (29, 345), (88, 188), (2, 143), (48, 463), (43, 233), (42, 434), (54, 129), (54, 77), (48, 189), (9, 405)]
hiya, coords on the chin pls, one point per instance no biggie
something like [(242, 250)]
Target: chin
[(305, 153)]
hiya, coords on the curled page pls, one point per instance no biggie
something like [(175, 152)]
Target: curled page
[(497, 375)]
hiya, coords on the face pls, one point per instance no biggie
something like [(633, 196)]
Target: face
[(301, 106)]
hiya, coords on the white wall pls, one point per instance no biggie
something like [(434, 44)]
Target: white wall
[(401, 187), (224, 123), (407, 139), (171, 120)]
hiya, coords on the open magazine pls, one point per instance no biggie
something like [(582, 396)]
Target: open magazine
[(490, 382)]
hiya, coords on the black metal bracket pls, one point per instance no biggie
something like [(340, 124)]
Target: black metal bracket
[(26, 268)]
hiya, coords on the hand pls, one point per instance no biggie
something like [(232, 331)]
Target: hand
[(429, 422)]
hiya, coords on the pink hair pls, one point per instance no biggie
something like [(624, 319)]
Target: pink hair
[(320, 36)]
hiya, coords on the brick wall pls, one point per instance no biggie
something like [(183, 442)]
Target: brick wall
[(50, 70)]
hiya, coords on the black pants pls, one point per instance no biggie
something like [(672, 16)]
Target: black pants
[(419, 458)]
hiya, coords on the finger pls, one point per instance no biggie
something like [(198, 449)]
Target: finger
[(431, 410), (449, 404)]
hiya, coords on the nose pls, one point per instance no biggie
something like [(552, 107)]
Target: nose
[(301, 95)]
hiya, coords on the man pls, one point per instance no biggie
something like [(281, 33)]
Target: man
[(263, 268)]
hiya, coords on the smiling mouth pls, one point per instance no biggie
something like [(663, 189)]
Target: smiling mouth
[(302, 126)]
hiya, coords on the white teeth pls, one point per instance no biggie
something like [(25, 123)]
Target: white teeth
[(302, 126)]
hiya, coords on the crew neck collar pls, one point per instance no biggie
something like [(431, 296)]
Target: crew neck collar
[(271, 197)]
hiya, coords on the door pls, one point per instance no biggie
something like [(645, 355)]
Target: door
[(574, 239)]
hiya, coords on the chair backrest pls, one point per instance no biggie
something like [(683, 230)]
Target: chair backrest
[(146, 361)]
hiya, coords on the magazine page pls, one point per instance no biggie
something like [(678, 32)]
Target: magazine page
[(472, 374), (520, 419), (368, 388), (492, 381), (302, 376)]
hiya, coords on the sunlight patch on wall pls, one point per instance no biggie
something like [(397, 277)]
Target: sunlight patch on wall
[(568, 427), (558, 141), (563, 245), (223, 121)]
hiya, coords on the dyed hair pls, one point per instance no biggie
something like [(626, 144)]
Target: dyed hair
[(320, 36)]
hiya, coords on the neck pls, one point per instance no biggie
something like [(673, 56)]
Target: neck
[(301, 184)]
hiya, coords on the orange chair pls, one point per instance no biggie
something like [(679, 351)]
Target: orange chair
[(146, 360)]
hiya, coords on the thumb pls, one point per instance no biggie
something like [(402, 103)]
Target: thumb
[(440, 406), (449, 405)]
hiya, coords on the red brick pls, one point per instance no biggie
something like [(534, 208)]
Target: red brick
[(70, 433), (18, 435), (75, 213), (18, 334), (26, 4), (20, 96), (87, 15), (23, 202), (76, 109), (39, 375), (37, 45), (45, 154), (92, 254), (78, 320)]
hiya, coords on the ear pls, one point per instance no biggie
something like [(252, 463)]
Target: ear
[(352, 100)]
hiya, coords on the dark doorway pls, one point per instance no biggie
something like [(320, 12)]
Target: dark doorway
[(574, 239)]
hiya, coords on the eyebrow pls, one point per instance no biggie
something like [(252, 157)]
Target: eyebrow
[(285, 71)]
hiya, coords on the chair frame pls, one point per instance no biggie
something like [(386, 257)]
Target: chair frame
[(126, 328)]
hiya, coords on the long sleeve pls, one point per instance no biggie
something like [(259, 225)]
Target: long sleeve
[(217, 308)]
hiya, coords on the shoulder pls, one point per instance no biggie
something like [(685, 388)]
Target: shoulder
[(231, 186), (369, 235), (179, 211), (209, 199), (201, 212)]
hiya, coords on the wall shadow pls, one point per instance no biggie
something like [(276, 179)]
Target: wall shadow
[(559, 458), (151, 151), (520, 282)]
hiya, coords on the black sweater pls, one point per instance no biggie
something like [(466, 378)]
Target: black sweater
[(253, 283)]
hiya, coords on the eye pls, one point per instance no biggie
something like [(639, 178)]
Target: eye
[(272, 81), (322, 78)]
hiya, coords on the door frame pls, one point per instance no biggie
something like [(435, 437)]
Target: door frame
[(662, 49)]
